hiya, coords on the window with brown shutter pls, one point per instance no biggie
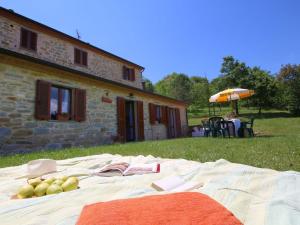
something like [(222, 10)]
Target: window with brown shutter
[(84, 58), (178, 122), (24, 38), (59, 103), (80, 105), (132, 75), (33, 41), (158, 113), (125, 73), (77, 56), (140, 120), (28, 39), (42, 105), (128, 73), (80, 57), (121, 116)]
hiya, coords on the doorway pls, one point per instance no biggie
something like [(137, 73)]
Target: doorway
[(130, 121)]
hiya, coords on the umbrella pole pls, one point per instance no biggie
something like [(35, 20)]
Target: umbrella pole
[(214, 109), (235, 107)]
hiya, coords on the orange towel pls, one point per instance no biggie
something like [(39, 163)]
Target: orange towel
[(184, 208)]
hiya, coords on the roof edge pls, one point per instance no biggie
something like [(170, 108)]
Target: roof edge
[(84, 74), (11, 12)]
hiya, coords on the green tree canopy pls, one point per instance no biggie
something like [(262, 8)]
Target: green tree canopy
[(237, 74), (175, 85), (234, 73), (265, 87), (270, 91), (148, 85), (199, 93), (289, 75)]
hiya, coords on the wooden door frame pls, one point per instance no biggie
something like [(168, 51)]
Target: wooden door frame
[(134, 103)]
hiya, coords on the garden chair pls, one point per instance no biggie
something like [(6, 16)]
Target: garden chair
[(249, 127), (229, 128), (206, 128), (217, 127), (246, 129)]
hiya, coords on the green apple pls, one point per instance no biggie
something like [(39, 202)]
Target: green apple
[(74, 179), (54, 189), (34, 182), (70, 184), (41, 189), (63, 178), (49, 180), (25, 191), (58, 182)]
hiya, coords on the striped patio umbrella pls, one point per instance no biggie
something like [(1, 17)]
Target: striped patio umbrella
[(231, 95)]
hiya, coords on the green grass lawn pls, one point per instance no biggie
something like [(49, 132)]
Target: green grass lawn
[(277, 146)]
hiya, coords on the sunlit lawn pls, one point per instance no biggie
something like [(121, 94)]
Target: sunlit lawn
[(276, 146)]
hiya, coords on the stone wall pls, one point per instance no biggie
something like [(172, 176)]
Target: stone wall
[(60, 51), (21, 132)]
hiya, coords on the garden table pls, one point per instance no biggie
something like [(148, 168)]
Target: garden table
[(237, 125)]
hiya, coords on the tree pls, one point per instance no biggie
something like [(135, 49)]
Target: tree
[(199, 93), (289, 75), (237, 74), (216, 85), (175, 85), (234, 73), (265, 87), (148, 85)]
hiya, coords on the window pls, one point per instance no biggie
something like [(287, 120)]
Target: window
[(80, 57), (158, 113), (60, 103), (128, 73), (28, 39)]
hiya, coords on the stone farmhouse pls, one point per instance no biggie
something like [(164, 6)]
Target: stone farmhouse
[(57, 91)]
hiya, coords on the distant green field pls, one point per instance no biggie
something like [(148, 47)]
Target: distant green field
[(245, 113), (276, 146)]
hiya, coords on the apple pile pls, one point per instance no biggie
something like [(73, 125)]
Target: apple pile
[(39, 187)]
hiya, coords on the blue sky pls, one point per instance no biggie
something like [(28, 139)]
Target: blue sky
[(188, 36)]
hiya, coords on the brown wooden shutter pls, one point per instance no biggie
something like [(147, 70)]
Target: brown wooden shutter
[(77, 56), (152, 114), (125, 74), (24, 38), (140, 120), (42, 103), (33, 41), (132, 74), (84, 58), (121, 119), (79, 105), (178, 122), (164, 118)]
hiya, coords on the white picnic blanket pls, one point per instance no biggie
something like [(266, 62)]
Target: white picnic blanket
[(253, 195)]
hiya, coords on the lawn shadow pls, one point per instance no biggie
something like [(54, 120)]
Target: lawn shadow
[(265, 136), (268, 115)]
